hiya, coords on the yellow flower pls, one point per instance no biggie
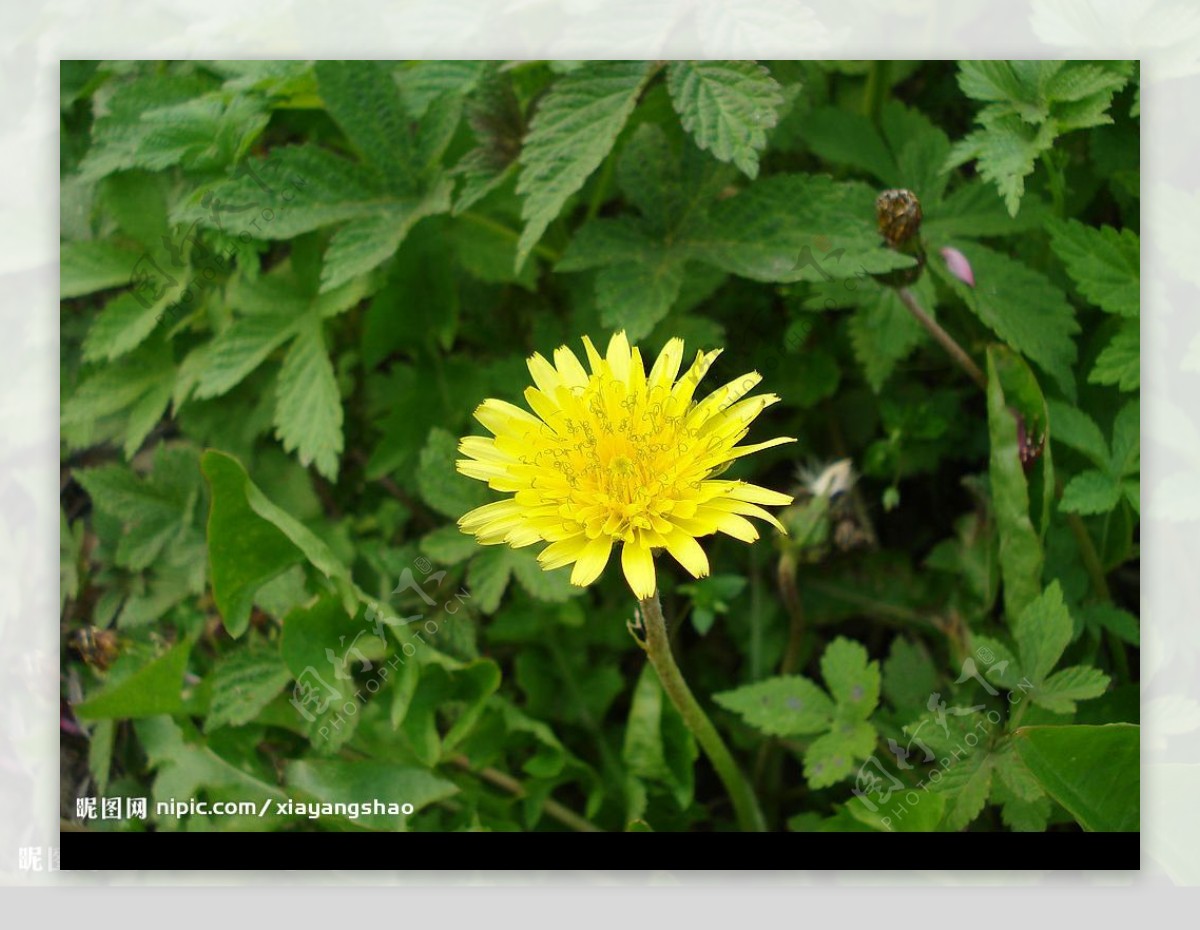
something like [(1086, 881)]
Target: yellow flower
[(618, 456)]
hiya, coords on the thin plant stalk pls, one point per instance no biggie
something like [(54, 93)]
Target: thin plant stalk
[(658, 650)]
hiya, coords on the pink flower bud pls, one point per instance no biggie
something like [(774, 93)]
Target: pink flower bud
[(958, 265)]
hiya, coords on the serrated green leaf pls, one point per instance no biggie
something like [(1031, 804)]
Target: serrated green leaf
[(153, 510), (364, 100), (795, 227), (1109, 617), (448, 545), (883, 332), (727, 106), (243, 683), (1061, 690), (440, 484), (300, 188), (363, 244), (1092, 771), (1120, 363), (834, 755), (573, 130), (634, 296), (1005, 153), (1042, 632), (1103, 263), (1023, 307), (487, 577), (308, 411), (784, 706), (93, 265), (852, 680), (239, 349), (1090, 492), (1073, 427)]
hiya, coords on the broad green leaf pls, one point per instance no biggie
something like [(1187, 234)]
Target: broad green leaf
[(243, 683), (365, 781), (244, 550), (1103, 263), (908, 675), (251, 540), (849, 138), (93, 265), (1021, 555), (153, 689), (1023, 307), (1042, 632), (1092, 771), (658, 746), (308, 414), (123, 324), (573, 130), (795, 227), (1119, 622), (899, 816), (727, 106), (785, 706), (851, 679)]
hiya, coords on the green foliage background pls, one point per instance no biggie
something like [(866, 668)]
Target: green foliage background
[(287, 285)]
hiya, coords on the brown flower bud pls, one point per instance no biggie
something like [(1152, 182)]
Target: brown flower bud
[(899, 215)]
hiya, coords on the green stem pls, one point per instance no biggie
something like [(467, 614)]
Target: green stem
[(658, 650), (876, 90), (486, 222), (1058, 184)]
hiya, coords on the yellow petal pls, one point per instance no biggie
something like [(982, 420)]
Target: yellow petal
[(563, 552), (545, 376), (687, 552), (591, 561), (617, 356), (569, 369), (638, 564), (666, 366)]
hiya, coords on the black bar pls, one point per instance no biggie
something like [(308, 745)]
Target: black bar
[(1068, 850)]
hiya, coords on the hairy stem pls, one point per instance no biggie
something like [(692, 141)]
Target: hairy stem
[(658, 650), (944, 339)]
